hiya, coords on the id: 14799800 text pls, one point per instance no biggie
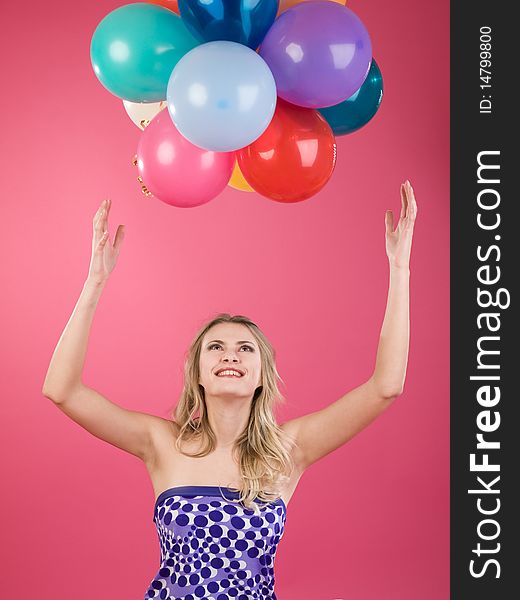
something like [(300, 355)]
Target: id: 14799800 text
[(485, 70)]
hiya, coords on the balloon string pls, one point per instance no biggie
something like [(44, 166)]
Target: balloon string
[(144, 189)]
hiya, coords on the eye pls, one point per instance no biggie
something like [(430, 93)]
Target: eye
[(211, 346)]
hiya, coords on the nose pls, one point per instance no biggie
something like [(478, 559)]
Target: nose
[(229, 355)]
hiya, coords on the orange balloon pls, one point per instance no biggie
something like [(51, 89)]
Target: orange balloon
[(238, 181), (171, 4), (285, 4), (294, 157)]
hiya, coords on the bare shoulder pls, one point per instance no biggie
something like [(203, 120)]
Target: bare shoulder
[(164, 429), (160, 424), (164, 432), (291, 429)]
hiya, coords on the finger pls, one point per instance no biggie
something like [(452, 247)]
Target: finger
[(102, 222), (99, 214), (120, 236), (404, 202), (389, 221), (99, 227), (407, 196), (105, 214), (413, 203), (102, 241), (100, 208)]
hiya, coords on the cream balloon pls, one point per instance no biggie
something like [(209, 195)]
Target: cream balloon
[(142, 113)]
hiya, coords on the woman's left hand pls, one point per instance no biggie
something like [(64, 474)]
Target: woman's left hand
[(399, 242)]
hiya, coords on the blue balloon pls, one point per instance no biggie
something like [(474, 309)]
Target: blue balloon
[(356, 111), (242, 21), (221, 96), (134, 49)]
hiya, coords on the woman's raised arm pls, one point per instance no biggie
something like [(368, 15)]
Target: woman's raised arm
[(131, 431), (66, 367), (323, 431)]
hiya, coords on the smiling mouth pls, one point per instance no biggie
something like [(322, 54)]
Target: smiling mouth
[(230, 373)]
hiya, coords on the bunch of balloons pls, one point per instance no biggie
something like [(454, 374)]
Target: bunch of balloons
[(254, 91)]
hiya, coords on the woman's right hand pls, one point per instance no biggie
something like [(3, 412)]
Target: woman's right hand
[(104, 254)]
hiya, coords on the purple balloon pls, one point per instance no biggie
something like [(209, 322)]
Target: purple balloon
[(319, 52)]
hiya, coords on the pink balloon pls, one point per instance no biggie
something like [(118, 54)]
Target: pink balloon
[(177, 172)]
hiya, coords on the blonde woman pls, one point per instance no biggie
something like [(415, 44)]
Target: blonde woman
[(222, 469)]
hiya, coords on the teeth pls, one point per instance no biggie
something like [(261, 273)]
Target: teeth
[(229, 372)]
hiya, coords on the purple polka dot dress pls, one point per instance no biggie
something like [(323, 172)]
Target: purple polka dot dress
[(213, 547)]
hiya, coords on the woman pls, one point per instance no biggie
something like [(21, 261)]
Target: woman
[(222, 470)]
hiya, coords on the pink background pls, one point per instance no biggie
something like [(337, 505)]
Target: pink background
[(369, 521)]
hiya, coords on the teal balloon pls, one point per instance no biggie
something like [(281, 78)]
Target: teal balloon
[(356, 111), (135, 48)]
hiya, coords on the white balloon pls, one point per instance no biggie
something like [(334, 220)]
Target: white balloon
[(142, 113)]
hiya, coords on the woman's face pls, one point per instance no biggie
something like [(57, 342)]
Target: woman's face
[(225, 347)]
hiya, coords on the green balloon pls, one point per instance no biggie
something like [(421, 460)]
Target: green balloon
[(356, 111), (135, 48)]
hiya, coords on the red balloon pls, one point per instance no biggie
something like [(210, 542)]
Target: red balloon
[(294, 157), (170, 4)]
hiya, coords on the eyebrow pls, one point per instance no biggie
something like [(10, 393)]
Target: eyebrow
[(241, 342)]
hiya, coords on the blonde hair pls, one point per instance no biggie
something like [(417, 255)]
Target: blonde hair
[(265, 462)]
